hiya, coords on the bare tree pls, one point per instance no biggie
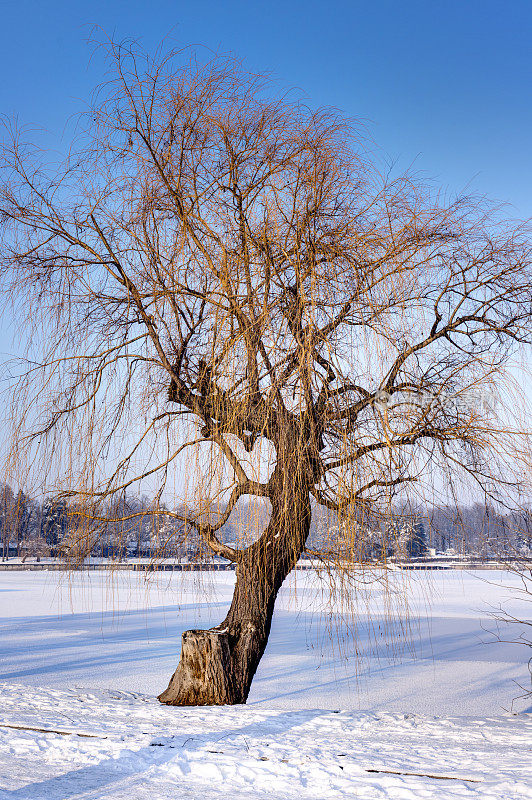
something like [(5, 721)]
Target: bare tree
[(6, 516), (218, 270)]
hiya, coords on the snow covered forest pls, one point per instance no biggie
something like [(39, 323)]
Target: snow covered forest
[(33, 528)]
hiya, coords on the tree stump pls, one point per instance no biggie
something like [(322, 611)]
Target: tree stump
[(204, 676)]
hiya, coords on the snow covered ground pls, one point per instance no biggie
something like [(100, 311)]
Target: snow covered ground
[(424, 689), (141, 750)]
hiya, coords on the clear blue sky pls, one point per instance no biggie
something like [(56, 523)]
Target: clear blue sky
[(446, 85)]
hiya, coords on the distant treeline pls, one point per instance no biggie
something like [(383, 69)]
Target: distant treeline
[(133, 526)]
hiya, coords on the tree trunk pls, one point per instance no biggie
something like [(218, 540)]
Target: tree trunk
[(217, 666)]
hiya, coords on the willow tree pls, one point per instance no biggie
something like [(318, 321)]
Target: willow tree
[(210, 254)]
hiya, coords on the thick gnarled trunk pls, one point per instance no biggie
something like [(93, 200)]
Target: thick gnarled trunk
[(217, 666)]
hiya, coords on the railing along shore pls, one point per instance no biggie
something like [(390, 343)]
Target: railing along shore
[(215, 566)]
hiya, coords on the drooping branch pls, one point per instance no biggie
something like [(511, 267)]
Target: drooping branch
[(275, 285)]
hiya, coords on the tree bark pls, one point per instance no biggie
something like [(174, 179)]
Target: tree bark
[(217, 666)]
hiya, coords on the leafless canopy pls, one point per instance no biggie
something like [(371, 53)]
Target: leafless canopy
[(213, 267)]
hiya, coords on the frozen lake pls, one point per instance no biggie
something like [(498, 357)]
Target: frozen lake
[(421, 643)]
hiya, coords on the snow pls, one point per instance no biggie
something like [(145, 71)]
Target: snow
[(421, 688), (149, 751)]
